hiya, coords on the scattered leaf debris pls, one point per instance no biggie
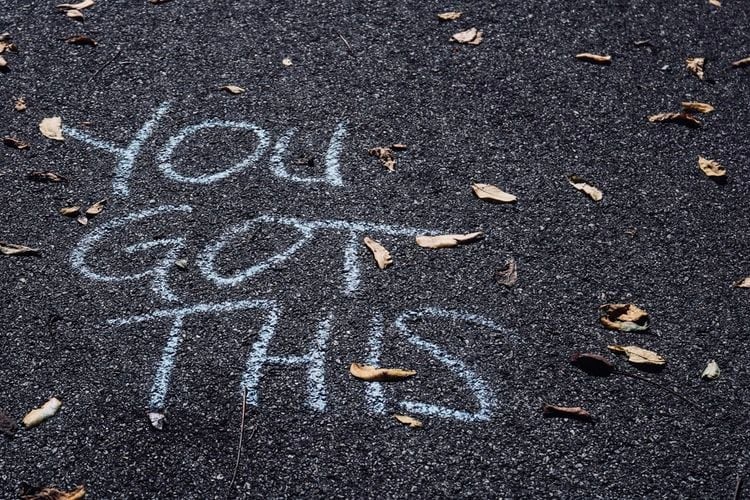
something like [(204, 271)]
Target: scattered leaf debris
[(70, 211), (712, 371), (39, 415), (50, 493), (14, 249), (51, 128), (594, 58), (508, 275), (85, 4), (45, 177), (15, 143), (575, 412), (382, 256), (711, 167), (157, 420), (488, 192), (471, 36), (743, 283), (385, 155), (623, 317), (741, 63), (638, 355), (681, 118), (96, 208), (20, 105), (581, 185), (449, 16), (287, 61), (410, 421), (233, 89), (593, 364), (695, 66), (81, 40), (7, 425), (698, 107), (447, 240), (375, 374)]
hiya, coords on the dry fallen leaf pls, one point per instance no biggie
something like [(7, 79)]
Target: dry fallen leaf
[(45, 177), (158, 2), (82, 220), (489, 192), (382, 256), (411, 422), (70, 211), (233, 89), (85, 4), (287, 61), (741, 63), (3, 63), (623, 317), (447, 240), (743, 283), (565, 411), (20, 105), (449, 16), (51, 128), (15, 143), (681, 118), (375, 374), (711, 167), (76, 15), (711, 372), (471, 36), (50, 493), (96, 208), (7, 425), (593, 364), (81, 40), (581, 185), (594, 58), (695, 66), (39, 415), (698, 107), (638, 355), (399, 147), (385, 155), (157, 420), (13, 249), (715, 3), (181, 264), (509, 274)]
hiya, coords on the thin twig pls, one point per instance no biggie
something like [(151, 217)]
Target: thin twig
[(738, 488), (638, 377), (242, 431), (347, 43), (101, 68)]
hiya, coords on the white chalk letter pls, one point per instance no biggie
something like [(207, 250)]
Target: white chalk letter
[(332, 173)]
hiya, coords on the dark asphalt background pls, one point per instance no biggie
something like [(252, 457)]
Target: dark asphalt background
[(517, 111)]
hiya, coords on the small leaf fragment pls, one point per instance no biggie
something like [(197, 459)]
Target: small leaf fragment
[(15, 143), (49, 493), (157, 420), (85, 4), (471, 36), (581, 185), (449, 16), (743, 283), (7, 425), (741, 63), (45, 177), (96, 208), (287, 61), (410, 421), (81, 40), (20, 105), (39, 415), (3, 62), (508, 275), (623, 317), (374, 374), (385, 155), (594, 58), (233, 89), (399, 147), (51, 128), (382, 256), (13, 249), (447, 240), (82, 220), (711, 167), (489, 192), (593, 364), (695, 66), (712, 371), (575, 412), (181, 264), (698, 107), (638, 355), (681, 118), (715, 3), (158, 2), (75, 15), (70, 211)]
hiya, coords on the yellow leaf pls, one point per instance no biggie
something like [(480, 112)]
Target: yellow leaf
[(581, 185), (741, 63), (492, 193), (681, 118), (699, 107), (594, 58), (471, 36), (449, 16), (638, 355), (624, 317), (410, 421), (375, 374), (13, 249), (743, 283), (447, 240), (695, 66), (85, 4), (39, 415), (382, 256), (711, 168), (70, 211), (96, 208), (51, 128), (233, 89)]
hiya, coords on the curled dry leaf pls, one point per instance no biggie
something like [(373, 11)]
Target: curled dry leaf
[(233, 89), (743, 283), (695, 66), (7, 425), (82, 220), (181, 264), (45, 177), (638, 355), (593, 364), (51, 128), (471, 36), (20, 105), (75, 15), (85, 4), (698, 107), (15, 143), (39, 415), (375, 374), (594, 58), (49, 493), (70, 211), (3, 63), (13, 249), (382, 256), (488, 192), (581, 185), (447, 240), (711, 372), (157, 420), (575, 412), (158, 2), (715, 3), (449, 16), (96, 208), (399, 147), (508, 275), (410, 421), (681, 118), (741, 63), (385, 155), (81, 40), (287, 61), (623, 317), (711, 167)]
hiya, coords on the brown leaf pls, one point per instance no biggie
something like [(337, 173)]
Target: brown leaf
[(449, 16), (447, 240), (743, 283), (488, 192), (75, 15), (410, 421), (13, 249), (471, 36), (575, 412), (594, 58), (233, 89), (375, 374), (20, 105), (385, 155), (50, 493), (715, 3), (681, 118), (695, 66), (15, 143), (581, 185), (70, 211), (382, 256), (81, 40), (96, 208), (509, 274), (39, 415), (638, 355), (623, 317), (593, 364), (698, 107), (158, 2), (711, 167), (51, 128), (741, 63), (7, 425), (45, 177), (85, 4)]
